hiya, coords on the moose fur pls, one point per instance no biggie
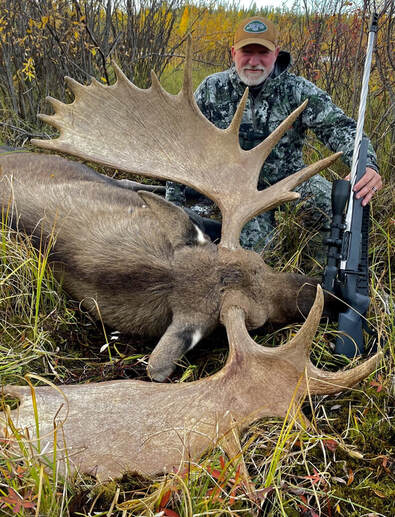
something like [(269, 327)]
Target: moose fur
[(140, 259)]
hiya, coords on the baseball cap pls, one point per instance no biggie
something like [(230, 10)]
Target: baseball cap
[(256, 30)]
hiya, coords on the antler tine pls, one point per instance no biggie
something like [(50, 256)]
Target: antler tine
[(59, 108), (75, 86), (295, 351), (236, 121), (155, 84), (50, 120), (121, 78), (322, 382), (261, 201), (282, 191), (56, 104)]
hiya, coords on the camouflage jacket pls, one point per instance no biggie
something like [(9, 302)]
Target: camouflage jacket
[(267, 106)]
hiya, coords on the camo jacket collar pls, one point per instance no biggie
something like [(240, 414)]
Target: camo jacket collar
[(283, 62)]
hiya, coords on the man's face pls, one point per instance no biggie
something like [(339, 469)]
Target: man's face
[(254, 63)]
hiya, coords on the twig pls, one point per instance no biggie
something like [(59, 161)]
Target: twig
[(23, 131)]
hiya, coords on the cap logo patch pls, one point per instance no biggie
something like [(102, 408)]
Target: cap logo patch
[(255, 27)]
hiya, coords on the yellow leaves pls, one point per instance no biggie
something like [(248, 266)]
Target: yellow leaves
[(2, 23), (184, 22), (3, 32), (44, 21), (143, 15), (28, 69), (21, 41), (213, 27), (40, 24), (91, 48)]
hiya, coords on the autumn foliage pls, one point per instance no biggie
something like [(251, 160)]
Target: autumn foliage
[(41, 42)]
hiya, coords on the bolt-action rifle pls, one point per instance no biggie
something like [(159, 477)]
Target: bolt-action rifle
[(346, 274)]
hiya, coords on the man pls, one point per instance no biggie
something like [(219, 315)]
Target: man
[(273, 94)]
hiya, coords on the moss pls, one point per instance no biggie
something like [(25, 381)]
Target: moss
[(367, 498), (368, 480)]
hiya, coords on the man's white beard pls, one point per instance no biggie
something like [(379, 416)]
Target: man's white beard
[(253, 79)]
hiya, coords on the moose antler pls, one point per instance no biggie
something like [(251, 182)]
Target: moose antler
[(152, 133), (147, 427), (150, 428)]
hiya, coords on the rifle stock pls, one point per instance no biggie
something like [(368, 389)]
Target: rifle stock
[(346, 274)]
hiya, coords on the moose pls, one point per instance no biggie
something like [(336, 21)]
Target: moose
[(149, 269), (138, 259)]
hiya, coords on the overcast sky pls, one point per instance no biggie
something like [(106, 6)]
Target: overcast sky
[(266, 3)]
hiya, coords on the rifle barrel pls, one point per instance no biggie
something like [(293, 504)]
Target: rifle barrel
[(361, 112)]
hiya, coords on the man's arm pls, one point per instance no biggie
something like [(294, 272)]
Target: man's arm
[(337, 131)]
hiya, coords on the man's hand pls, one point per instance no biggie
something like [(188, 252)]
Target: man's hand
[(370, 183)]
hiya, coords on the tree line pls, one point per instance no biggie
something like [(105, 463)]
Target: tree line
[(41, 41)]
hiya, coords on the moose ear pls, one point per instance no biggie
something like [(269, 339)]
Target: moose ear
[(165, 211), (178, 225)]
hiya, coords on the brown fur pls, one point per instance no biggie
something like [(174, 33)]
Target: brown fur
[(132, 255)]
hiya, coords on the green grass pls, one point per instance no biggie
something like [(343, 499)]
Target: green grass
[(172, 78)]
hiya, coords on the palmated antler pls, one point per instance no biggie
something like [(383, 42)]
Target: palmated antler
[(151, 428), (152, 133)]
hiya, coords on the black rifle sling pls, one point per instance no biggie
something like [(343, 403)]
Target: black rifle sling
[(363, 277), (363, 280)]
